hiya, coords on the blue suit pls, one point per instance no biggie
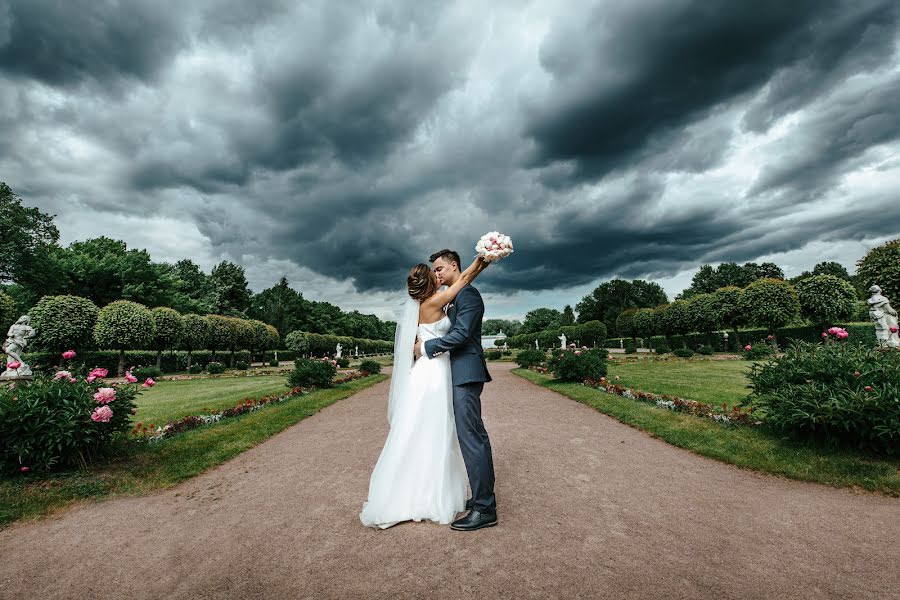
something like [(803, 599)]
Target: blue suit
[(469, 373)]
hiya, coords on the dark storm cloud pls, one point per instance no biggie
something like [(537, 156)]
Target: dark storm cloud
[(641, 72), (67, 43)]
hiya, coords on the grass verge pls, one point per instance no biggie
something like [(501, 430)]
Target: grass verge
[(751, 448), (704, 380), (141, 468)]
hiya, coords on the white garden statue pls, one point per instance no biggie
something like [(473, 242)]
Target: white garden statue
[(885, 318), (536, 346), (562, 339), (337, 353), (16, 340), (357, 350)]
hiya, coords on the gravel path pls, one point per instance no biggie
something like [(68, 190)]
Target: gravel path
[(589, 508)]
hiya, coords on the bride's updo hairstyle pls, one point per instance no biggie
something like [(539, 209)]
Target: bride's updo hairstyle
[(421, 283)]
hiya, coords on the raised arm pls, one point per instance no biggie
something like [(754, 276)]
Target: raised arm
[(465, 278)]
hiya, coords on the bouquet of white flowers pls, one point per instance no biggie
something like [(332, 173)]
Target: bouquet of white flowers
[(493, 246)]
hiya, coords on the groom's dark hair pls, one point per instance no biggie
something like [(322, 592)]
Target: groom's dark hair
[(447, 255)]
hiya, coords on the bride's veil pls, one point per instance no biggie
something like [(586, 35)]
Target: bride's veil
[(404, 339)]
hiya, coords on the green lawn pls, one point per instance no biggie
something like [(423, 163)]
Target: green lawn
[(703, 380), (140, 468), (171, 400), (751, 448)]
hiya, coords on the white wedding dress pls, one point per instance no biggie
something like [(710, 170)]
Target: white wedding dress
[(420, 474)]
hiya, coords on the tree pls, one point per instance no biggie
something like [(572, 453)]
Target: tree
[(727, 307), (196, 335), (835, 269), (169, 329), (881, 267), (826, 299), (593, 333), (678, 318), (541, 319), (193, 289), (124, 325), (220, 333), (625, 322), (770, 303), (495, 326), (8, 314), (643, 323), (27, 240), (64, 322), (568, 316), (243, 335), (708, 279), (609, 299), (230, 289), (703, 313)]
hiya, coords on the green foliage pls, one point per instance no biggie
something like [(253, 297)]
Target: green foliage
[(625, 322), (541, 319), (881, 266), (703, 313), (124, 325), (495, 326), (195, 368), (493, 355), (169, 328), (678, 318), (312, 373), (64, 322), (343, 362), (842, 392), (372, 367), (643, 322), (758, 351), (568, 316), (708, 279), (45, 424), (531, 357), (232, 296), (196, 332), (8, 314), (630, 346), (220, 331), (241, 365), (609, 299), (297, 341), (683, 352), (770, 303), (27, 242), (826, 299), (662, 348), (142, 373), (215, 368), (592, 332), (705, 350), (578, 365)]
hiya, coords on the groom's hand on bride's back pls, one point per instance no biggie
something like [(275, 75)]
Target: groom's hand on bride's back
[(416, 349)]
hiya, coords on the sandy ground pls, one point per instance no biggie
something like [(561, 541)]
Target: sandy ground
[(588, 507)]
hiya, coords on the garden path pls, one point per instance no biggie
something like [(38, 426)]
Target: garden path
[(589, 508)]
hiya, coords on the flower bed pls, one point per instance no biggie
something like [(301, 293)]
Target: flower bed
[(734, 416)]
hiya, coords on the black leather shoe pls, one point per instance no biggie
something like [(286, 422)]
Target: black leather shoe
[(470, 504), (475, 520)]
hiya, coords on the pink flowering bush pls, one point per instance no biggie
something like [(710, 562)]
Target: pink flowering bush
[(842, 393), (578, 365), (62, 421)]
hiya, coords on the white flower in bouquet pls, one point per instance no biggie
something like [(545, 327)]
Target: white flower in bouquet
[(493, 246)]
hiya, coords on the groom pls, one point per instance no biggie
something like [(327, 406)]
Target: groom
[(469, 373)]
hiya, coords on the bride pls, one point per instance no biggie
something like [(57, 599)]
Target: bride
[(420, 474)]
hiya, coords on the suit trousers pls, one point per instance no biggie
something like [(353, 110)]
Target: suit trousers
[(475, 445)]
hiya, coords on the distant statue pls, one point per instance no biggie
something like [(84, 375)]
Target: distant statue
[(16, 340), (337, 353), (357, 351), (885, 318), (562, 339), (536, 346)]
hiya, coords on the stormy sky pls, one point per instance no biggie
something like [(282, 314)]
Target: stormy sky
[(340, 143)]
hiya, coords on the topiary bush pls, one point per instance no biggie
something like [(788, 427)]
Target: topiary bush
[(194, 369), (241, 365), (64, 322), (826, 299), (343, 362), (662, 349), (215, 368), (298, 341), (683, 352), (758, 351), (841, 392), (770, 303), (370, 366), (578, 365), (881, 266), (142, 373), (273, 362), (531, 357), (53, 422), (124, 325), (312, 373), (630, 346), (493, 355), (705, 350)]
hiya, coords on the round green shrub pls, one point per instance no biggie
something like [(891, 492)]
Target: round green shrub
[(881, 267), (826, 299), (531, 357), (298, 341), (124, 325), (841, 392), (758, 351), (215, 368), (8, 314), (195, 333), (706, 350), (493, 355), (662, 349), (343, 362), (683, 352), (630, 346), (591, 333), (578, 365), (370, 366), (194, 369), (46, 423), (312, 373), (64, 322), (241, 365), (273, 362), (770, 303), (142, 373)]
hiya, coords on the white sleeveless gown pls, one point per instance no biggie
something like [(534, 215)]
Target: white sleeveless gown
[(420, 474)]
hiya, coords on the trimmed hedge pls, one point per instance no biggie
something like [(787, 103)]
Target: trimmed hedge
[(47, 362)]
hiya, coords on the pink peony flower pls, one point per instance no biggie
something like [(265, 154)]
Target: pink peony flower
[(68, 354), (334, 362), (856, 373), (62, 375), (824, 334), (148, 383), (770, 337), (102, 414), (105, 395), (868, 388), (747, 347), (130, 378), (13, 364), (578, 353), (24, 469), (91, 378), (72, 380), (99, 373)]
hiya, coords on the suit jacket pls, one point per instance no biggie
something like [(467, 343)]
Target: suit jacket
[(463, 341)]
